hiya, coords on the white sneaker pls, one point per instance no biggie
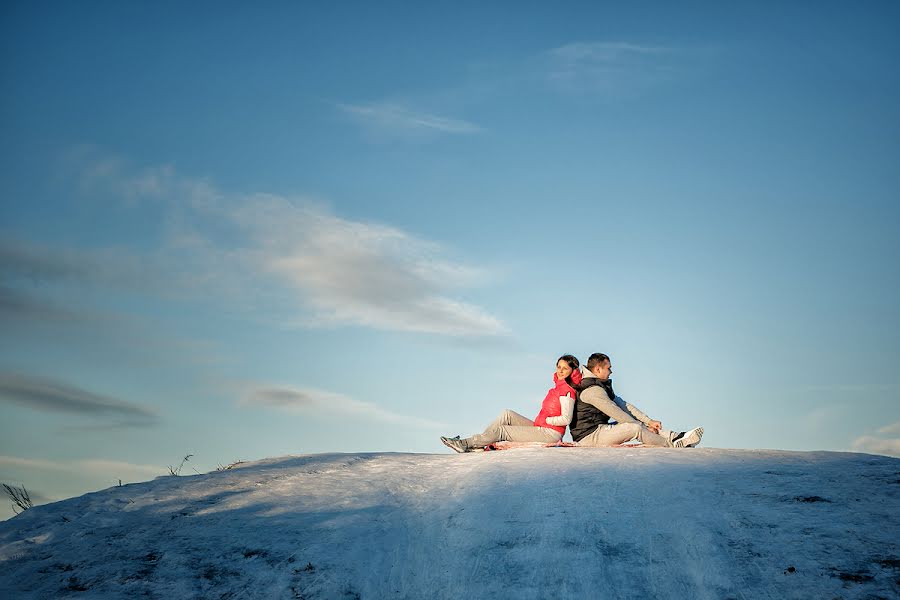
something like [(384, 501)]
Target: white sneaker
[(688, 439), (455, 443)]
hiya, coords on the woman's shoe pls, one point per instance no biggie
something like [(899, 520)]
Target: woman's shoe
[(455, 443)]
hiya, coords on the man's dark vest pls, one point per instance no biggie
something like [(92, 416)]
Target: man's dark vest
[(587, 417)]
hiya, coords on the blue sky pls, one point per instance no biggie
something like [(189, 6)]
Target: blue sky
[(241, 232)]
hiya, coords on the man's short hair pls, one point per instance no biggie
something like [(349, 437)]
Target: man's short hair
[(596, 359)]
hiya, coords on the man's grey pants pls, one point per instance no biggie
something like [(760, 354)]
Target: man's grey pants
[(510, 426), (613, 435)]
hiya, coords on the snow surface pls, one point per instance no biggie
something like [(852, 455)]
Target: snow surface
[(523, 523)]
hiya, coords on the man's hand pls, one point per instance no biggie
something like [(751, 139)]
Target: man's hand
[(655, 426)]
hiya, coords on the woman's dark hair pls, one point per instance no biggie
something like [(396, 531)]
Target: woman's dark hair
[(572, 362)]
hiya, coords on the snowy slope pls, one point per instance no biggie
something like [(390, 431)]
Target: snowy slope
[(523, 523)]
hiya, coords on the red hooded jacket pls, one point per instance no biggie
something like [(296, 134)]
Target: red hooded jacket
[(551, 407)]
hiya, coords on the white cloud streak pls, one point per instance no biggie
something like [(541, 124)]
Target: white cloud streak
[(30, 463), (893, 428), (874, 445), (118, 468), (608, 68), (877, 444), (603, 52), (308, 401), (364, 274), (395, 118), (91, 466), (321, 269)]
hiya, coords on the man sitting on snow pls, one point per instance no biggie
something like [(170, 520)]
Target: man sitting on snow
[(596, 403)]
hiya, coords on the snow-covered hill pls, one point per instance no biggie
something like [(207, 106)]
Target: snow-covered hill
[(523, 523)]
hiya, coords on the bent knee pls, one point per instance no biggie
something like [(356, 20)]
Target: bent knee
[(507, 417)]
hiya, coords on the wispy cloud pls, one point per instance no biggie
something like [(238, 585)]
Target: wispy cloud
[(889, 446), (94, 169), (608, 67), (320, 269), (23, 260), (28, 264), (367, 274), (48, 395), (118, 468), (392, 118), (18, 305), (893, 428), (45, 287), (312, 401), (91, 466), (604, 52), (873, 445), (29, 463), (291, 260), (99, 174), (35, 277)]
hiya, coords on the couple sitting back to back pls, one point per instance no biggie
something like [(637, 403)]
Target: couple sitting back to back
[(583, 399)]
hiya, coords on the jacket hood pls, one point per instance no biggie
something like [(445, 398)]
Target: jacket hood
[(585, 374), (575, 377)]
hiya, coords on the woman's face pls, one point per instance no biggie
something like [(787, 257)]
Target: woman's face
[(563, 369)]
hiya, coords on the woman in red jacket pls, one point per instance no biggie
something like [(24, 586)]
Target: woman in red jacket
[(550, 424)]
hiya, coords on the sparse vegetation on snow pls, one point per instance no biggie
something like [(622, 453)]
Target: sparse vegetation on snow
[(19, 497)]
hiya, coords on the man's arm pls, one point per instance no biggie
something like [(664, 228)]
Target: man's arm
[(597, 397), (652, 424), (633, 410)]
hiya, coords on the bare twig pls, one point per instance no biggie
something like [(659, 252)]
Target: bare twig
[(19, 497), (230, 466), (177, 470)]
